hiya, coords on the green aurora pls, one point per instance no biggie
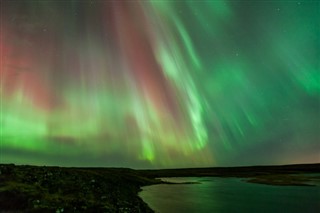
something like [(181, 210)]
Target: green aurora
[(157, 84)]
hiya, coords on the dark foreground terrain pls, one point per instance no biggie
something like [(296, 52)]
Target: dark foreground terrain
[(58, 189)]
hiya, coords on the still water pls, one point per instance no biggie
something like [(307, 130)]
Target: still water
[(213, 194)]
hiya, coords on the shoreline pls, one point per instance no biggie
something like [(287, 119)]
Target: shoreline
[(59, 189)]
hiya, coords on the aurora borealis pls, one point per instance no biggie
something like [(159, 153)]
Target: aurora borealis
[(154, 84)]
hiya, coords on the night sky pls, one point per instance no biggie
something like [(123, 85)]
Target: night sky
[(157, 84)]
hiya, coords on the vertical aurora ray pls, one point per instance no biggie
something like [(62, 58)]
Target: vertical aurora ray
[(159, 83)]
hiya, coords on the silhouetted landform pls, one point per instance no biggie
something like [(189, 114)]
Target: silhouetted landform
[(282, 175), (188, 182), (58, 189)]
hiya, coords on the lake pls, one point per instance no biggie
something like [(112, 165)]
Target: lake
[(214, 194)]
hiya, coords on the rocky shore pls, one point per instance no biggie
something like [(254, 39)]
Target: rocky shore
[(60, 189), (56, 189)]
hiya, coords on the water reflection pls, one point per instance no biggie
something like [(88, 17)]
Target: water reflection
[(229, 195)]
